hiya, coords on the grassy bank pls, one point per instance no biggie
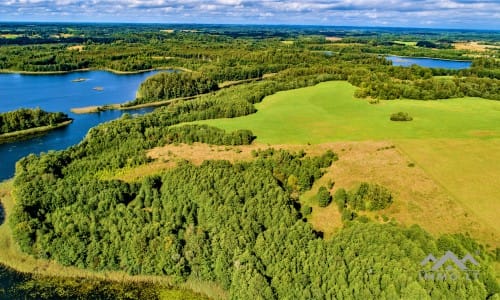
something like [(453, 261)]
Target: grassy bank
[(12, 136)]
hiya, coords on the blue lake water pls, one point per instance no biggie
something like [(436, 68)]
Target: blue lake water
[(429, 62), (60, 93)]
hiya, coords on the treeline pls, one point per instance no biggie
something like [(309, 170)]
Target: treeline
[(164, 86), (24, 118), (429, 89), (219, 58), (189, 134)]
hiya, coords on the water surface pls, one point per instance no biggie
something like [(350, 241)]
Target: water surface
[(429, 62), (60, 93)]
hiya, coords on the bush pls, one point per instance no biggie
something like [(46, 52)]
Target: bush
[(324, 197), (306, 210), (340, 198), (401, 116), (369, 197), (348, 215)]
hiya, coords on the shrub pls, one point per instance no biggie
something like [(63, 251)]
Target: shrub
[(306, 210), (324, 196), (401, 116), (340, 198), (369, 197)]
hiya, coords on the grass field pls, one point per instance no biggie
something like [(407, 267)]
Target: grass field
[(468, 168), (454, 143), (406, 43), (329, 112)]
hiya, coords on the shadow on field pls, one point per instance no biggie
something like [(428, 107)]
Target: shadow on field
[(2, 214)]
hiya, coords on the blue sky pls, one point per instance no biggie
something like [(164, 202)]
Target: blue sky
[(468, 14)]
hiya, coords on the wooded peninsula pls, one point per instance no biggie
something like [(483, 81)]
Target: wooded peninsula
[(25, 122)]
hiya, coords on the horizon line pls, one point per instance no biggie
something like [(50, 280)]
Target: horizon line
[(245, 24)]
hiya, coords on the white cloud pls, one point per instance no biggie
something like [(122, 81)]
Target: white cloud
[(229, 2), (456, 13)]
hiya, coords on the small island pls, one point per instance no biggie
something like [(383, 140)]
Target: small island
[(24, 122)]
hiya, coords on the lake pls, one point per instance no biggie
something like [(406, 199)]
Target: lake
[(62, 92), (429, 62)]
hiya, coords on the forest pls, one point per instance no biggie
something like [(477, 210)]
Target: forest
[(239, 225), (24, 118)]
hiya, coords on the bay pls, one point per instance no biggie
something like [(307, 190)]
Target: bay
[(62, 92)]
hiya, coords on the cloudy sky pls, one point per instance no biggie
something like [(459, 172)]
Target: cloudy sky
[(477, 14)]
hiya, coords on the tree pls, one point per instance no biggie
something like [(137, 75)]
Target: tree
[(324, 197)]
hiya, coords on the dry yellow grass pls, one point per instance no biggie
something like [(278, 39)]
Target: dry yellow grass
[(333, 38), (419, 199), (474, 46), (78, 48), (468, 169)]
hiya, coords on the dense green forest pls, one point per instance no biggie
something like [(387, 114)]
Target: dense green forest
[(239, 225), (164, 86), (23, 119)]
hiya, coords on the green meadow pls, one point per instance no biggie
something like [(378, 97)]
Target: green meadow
[(455, 141), (330, 112)]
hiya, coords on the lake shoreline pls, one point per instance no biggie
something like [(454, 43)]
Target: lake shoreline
[(124, 106), (15, 135), (6, 71), (433, 58), (98, 109)]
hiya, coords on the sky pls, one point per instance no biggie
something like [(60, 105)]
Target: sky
[(466, 14)]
